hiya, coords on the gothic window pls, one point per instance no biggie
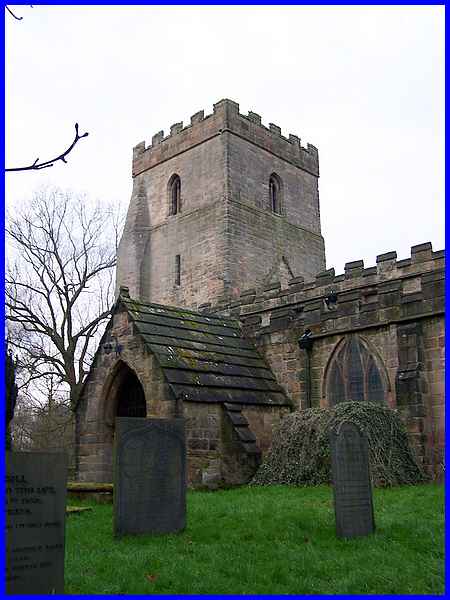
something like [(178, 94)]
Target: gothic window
[(275, 193), (174, 195), (354, 375)]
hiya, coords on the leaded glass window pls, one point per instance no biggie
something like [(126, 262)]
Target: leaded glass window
[(353, 375)]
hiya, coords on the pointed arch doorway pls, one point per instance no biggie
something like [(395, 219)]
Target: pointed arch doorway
[(124, 396), (130, 400)]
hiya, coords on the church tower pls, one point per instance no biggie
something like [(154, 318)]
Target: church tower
[(220, 206)]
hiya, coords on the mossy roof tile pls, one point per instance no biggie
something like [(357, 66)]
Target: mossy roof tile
[(204, 358)]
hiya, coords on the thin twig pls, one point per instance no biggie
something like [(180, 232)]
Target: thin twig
[(49, 163), (13, 15)]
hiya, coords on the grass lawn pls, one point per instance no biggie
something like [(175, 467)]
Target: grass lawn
[(265, 540)]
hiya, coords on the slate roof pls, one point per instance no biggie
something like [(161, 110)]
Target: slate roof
[(204, 357)]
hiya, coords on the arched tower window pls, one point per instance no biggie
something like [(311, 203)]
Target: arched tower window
[(353, 374), (275, 193), (174, 195)]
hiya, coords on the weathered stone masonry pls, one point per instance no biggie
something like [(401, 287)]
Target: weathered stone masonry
[(225, 231), (396, 308), (239, 236), (159, 361)]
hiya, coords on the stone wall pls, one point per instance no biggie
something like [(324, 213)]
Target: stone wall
[(98, 404), (203, 439), (266, 247), (397, 310), (250, 168), (225, 232), (434, 398), (220, 450), (264, 422), (152, 237)]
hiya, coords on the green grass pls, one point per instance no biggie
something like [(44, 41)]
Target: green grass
[(265, 540)]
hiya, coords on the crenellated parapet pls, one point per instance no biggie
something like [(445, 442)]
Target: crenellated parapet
[(224, 119), (396, 308), (360, 297)]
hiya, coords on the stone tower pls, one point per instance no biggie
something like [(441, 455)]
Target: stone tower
[(220, 206)]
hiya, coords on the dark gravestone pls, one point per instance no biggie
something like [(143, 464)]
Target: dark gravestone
[(149, 476), (36, 484), (353, 505)]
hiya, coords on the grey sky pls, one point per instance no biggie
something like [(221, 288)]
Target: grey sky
[(363, 84)]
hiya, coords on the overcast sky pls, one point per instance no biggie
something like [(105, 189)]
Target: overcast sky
[(363, 84)]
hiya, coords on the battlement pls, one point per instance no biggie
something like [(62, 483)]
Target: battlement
[(225, 118), (392, 289)]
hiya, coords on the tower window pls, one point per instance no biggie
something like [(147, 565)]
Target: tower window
[(174, 195), (178, 269), (275, 193)]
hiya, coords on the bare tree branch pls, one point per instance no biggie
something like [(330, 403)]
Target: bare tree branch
[(12, 14), (49, 163)]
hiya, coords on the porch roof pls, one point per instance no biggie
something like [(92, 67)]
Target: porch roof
[(204, 358)]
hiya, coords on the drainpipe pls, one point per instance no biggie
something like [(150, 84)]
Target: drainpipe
[(306, 343)]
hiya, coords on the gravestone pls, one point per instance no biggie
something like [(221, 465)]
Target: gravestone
[(352, 488), (149, 476), (36, 484)]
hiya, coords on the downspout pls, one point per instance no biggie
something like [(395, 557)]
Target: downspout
[(306, 343)]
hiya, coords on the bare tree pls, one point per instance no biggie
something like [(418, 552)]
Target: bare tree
[(21, 428), (11, 391), (43, 419), (59, 285)]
